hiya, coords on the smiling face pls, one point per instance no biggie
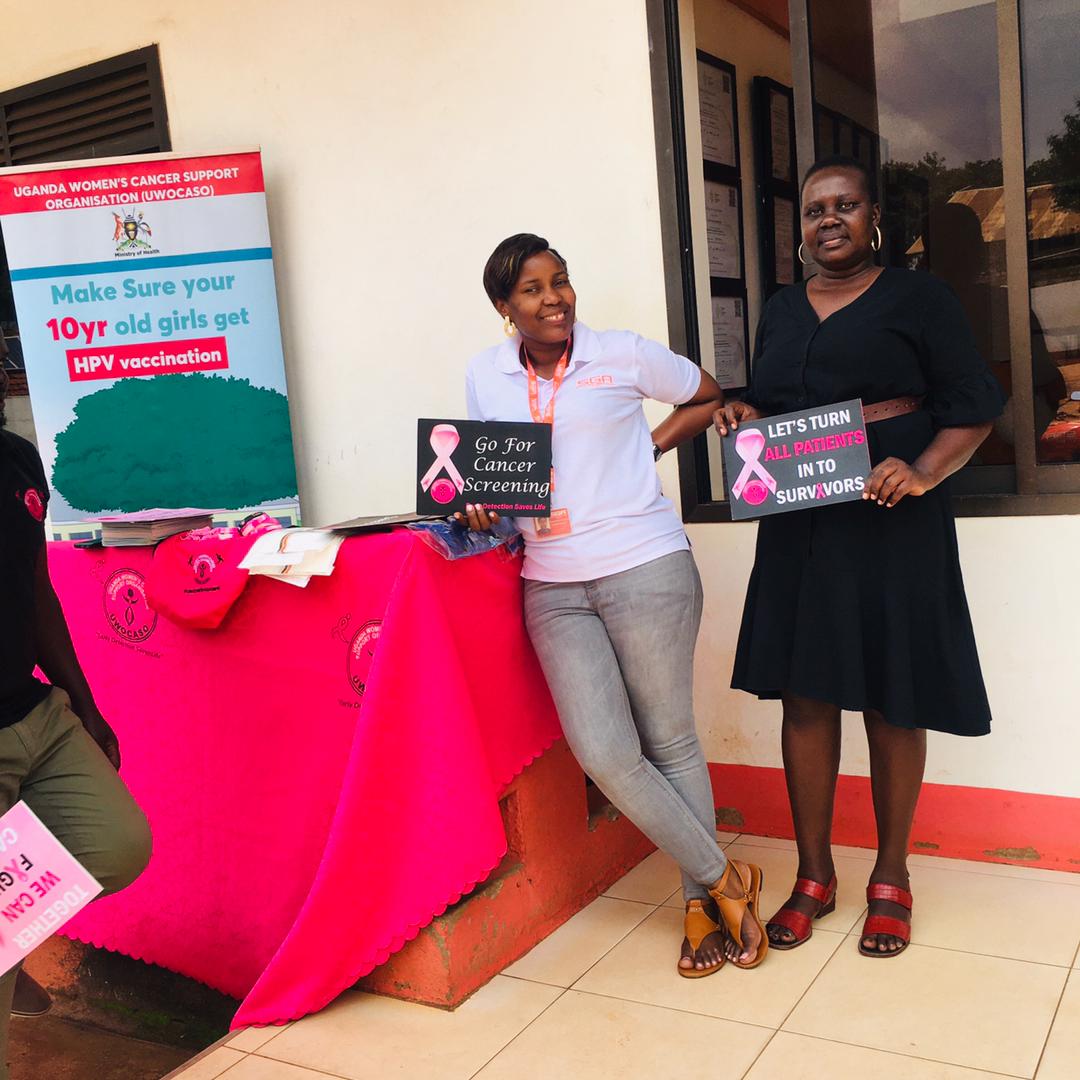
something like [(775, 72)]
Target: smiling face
[(838, 219), (541, 304)]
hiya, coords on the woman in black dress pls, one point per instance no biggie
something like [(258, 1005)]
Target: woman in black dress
[(861, 606)]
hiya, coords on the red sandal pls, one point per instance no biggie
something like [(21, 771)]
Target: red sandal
[(796, 921), (885, 924)]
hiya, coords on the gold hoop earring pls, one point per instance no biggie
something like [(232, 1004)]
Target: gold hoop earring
[(877, 236), (800, 255), (509, 329)]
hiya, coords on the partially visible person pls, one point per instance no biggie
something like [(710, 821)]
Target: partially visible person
[(958, 254), (861, 606), (57, 753), (612, 596)]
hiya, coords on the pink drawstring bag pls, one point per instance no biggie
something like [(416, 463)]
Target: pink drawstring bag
[(195, 577)]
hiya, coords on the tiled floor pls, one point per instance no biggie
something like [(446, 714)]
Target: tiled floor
[(990, 987)]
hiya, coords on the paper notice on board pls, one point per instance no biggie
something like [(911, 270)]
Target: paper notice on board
[(780, 126), (722, 230), (784, 240), (729, 342), (716, 105)]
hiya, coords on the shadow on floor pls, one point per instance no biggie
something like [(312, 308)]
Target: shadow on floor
[(63, 1050)]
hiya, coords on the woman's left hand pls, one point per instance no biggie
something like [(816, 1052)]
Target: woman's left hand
[(892, 479)]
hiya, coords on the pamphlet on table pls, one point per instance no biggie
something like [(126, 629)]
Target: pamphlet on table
[(147, 527), (294, 556)]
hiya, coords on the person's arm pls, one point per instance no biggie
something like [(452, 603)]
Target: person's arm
[(692, 417), (949, 451), (56, 657)]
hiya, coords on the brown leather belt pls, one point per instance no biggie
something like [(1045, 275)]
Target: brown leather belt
[(886, 410)]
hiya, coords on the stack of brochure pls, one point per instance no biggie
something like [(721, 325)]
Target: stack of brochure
[(149, 527), (382, 522), (293, 555)]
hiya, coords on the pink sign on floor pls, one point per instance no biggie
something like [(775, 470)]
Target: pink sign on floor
[(42, 885)]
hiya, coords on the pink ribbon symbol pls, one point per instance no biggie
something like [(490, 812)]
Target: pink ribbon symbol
[(748, 445), (444, 441)]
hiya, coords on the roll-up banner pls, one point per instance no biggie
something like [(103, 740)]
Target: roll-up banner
[(144, 290)]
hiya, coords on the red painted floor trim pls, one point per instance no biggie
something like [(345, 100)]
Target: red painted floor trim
[(955, 822)]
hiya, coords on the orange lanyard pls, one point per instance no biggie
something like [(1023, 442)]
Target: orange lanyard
[(548, 415)]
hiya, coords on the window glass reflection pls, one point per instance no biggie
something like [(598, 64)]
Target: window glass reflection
[(913, 86), (1050, 35)]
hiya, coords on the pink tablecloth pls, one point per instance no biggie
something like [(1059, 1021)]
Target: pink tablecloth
[(311, 813)]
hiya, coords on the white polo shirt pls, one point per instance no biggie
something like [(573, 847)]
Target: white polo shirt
[(605, 476)]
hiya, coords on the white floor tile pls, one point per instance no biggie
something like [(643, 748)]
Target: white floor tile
[(255, 1067), (582, 1037), (1018, 918), (1029, 873), (209, 1066), (364, 1037), (796, 1057), (1061, 1059), (650, 882), (254, 1038), (976, 1011), (642, 967), (564, 956)]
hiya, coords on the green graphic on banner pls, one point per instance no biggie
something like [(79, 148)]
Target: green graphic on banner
[(213, 428)]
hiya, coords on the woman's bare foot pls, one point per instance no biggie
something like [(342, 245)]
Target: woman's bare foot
[(887, 943), (745, 951), (710, 953), (800, 902)]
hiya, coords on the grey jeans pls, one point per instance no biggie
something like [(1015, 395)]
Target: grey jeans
[(618, 654)]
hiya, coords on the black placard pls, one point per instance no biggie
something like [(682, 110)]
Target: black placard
[(796, 461), (504, 467)]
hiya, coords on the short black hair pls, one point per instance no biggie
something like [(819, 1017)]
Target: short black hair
[(503, 267), (839, 161)]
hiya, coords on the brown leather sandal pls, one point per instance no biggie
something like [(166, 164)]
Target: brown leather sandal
[(698, 926), (885, 924), (799, 923), (732, 910)]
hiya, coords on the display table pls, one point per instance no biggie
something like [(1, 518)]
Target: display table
[(321, 773)]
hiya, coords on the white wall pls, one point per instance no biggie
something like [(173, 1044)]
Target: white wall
[(1020, 575), (19, 417), (401, 142)]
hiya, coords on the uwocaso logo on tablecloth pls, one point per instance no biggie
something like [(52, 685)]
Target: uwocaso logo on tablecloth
[(359, 653), (128, 614)]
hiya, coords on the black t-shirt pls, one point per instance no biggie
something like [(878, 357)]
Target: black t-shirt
[(24, 496)]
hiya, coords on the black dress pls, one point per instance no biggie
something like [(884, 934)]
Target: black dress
[(861, 605)]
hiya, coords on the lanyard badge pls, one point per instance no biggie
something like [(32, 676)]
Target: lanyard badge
[(559, 522), (548, 415)]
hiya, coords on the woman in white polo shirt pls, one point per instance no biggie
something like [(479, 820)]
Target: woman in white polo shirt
[(612, 595)]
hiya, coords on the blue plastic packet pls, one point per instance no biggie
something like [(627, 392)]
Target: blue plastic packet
[(453, 540)]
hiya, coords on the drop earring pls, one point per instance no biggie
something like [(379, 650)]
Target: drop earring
[(509, 329)]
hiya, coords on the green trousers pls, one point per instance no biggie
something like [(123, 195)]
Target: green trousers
[(48, 760)]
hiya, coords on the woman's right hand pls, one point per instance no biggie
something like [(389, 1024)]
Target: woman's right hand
[(731, 414), (477, 518)]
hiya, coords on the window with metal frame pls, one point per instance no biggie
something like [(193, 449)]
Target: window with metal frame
[(106, 109), (1029, 229)]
